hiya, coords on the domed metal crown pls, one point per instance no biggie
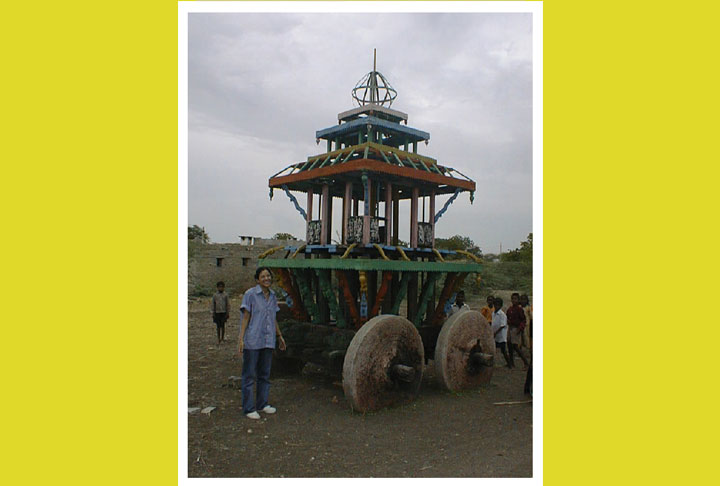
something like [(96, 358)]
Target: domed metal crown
[(374, 88)]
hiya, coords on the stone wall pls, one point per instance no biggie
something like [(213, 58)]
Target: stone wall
[(233, 263)]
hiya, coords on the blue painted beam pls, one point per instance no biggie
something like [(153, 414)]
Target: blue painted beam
[(355, 125)]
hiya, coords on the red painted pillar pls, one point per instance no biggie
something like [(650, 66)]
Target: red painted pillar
[(368, 210), (347, 201), (432, 216), (325, 214), (309, 213), (388, 213), (309, 205), (414, 217), (396, 216)]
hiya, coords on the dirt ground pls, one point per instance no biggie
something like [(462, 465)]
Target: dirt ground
[(315, 434)]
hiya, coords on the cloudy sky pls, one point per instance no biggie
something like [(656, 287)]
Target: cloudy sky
[(260, 85)]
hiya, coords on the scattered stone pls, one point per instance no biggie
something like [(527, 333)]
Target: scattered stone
[(207, 410), (249, 431), (234, 381), (193, 409)]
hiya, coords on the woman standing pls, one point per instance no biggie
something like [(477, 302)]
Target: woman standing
[(257, 341)]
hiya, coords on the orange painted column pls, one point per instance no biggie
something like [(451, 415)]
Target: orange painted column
[(325, 214), (414, 217), (432, 216), (384, 287), (366, 214), (309, 204), (309, 212), (347, 202), (396, 217), (388, 213)]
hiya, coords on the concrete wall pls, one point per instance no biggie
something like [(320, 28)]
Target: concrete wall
[(236, 267)]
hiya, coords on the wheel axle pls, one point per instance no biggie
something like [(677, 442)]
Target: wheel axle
[(482, 359), (403, 373)]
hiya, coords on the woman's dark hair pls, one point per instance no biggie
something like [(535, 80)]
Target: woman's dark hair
[(259, 271)]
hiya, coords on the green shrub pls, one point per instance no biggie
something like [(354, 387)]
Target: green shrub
[(201, 291), (504, 276)]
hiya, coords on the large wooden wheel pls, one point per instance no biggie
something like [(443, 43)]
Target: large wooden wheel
[(465, 351), (384, 364)]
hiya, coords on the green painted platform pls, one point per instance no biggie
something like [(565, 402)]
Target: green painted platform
[(370, 264)]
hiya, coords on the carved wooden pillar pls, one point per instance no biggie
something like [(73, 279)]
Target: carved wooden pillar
[(329, 220), (366, 215), (324, 214), (432, 216), (388, 213), (414, 217), (309, 204), (396, 217), (347, 202)]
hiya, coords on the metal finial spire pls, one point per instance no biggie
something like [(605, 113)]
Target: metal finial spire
[(380, 90)]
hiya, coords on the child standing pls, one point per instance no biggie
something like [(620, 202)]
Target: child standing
[(516, 326), (499, 328), (220, 308), (459, 303), (488, 310), (525, 303)]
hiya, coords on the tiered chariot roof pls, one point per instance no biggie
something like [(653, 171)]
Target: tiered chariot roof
[(372, 138)]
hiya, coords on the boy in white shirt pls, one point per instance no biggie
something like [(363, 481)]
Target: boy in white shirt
[(500, 328)]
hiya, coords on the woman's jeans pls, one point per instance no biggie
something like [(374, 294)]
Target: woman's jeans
[(256, 367)]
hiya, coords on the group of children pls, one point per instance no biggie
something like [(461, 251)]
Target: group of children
[(512, 329)]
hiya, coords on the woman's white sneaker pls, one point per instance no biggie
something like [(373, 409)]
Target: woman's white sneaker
[(268, 409), (253, 415)]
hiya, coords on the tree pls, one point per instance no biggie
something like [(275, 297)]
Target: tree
[(283, 236), (522, 254), (196, 233), (458, 242)]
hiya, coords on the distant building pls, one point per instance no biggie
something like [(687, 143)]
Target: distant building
[(233, 263), (247, 240)]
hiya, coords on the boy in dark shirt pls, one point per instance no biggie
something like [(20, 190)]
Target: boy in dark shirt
[(516, 325), (220, 308)]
